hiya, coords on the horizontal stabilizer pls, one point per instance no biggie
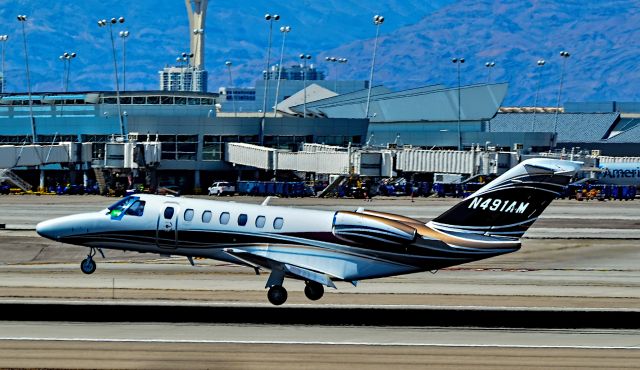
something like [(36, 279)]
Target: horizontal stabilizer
[(563, 168)]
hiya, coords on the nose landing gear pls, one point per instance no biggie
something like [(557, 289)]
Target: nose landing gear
[(88, 265)]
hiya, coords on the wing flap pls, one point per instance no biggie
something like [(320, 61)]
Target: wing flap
[(298, 271), (309, 275)]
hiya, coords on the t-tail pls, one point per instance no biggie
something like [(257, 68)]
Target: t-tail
[(510, 204)]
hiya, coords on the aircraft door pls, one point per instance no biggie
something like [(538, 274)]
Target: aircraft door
[(168, 226)]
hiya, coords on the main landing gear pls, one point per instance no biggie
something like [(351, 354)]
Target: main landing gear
[(277, 294), (88, 265), (313, 290)]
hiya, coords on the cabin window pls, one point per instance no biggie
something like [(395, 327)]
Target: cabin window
[(137, 208), (260, 221), (168, 213), (188, 215), (242, 219), (206, 217), (278, 223), (224, 218)]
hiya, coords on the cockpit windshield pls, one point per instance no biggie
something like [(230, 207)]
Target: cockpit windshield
[(130, 205), (136, 209)]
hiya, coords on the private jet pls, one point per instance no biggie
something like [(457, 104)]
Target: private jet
[(321, 247)]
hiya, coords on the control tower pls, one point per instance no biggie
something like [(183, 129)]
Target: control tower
[(197, 11), (189, 75)]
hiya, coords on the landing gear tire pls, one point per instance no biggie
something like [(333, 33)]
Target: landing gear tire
[(277, 295), (313, 290), (88, 266)]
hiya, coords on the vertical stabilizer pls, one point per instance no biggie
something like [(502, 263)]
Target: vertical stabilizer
[(510, 204)]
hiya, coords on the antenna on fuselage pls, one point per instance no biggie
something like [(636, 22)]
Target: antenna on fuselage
[(267, 200)]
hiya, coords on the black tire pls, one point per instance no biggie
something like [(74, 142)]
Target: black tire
[(277, 295), (313, 290), (88, 266)]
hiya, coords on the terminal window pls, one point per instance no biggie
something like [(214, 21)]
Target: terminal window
[(179, 147), (213, 148)]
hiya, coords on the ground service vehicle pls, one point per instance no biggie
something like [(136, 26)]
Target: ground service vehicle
[(222, 188)]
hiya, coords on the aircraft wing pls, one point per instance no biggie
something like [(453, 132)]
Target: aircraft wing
[(253, 258)]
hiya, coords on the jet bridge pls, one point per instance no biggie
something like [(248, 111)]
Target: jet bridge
[(36, 155), (324, 159), (117, 156), (317, 159)]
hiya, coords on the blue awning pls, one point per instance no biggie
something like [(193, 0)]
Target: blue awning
[(22, 97), (65, 97)]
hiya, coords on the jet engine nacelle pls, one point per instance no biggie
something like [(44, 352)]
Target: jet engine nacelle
[(367, 229)]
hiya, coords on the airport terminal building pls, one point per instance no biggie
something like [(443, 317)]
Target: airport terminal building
[(191, 135)]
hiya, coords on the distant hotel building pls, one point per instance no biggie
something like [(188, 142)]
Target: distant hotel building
[(295, 72), (187, 78)]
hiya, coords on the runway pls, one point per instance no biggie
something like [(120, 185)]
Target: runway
[(77, 345), (578, 256)]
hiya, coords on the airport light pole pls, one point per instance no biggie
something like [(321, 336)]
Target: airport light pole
[(111, 23), (341, 61), (377, 21), (540, 64), (123, 36), (66, 59), (565, 55), (335, 80), (305, 58), (63, 59), (233, 99), (490, 66), (186, 60), (269, 18), (3, 40), (458, 62), (284, 30), (335, 61), (23, 19)]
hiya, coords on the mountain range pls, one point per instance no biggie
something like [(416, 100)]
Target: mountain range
[(415, 47)]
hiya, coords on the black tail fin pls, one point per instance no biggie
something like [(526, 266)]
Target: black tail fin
[(510, 204)]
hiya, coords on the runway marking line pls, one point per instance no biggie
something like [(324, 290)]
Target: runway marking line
[(277, 342)]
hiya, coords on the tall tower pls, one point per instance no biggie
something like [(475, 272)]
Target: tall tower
[(190, 76), (197, 11)]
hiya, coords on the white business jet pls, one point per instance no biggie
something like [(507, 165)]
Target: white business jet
[(321, 247)]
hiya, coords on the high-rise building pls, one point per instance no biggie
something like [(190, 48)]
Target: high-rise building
[(295, 72), (183, 78)]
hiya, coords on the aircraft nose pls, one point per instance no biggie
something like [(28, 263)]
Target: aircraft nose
[(48, 229)]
